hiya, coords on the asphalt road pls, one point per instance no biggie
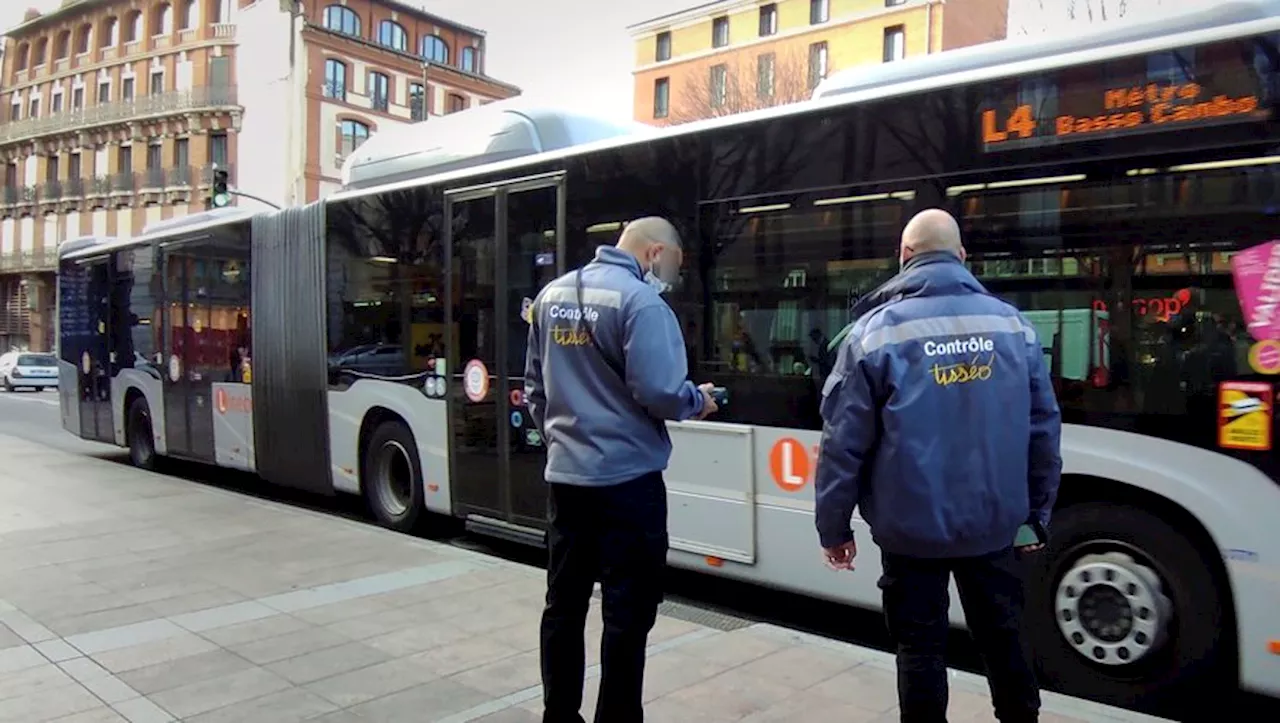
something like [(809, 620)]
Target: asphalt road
[(34, 416)]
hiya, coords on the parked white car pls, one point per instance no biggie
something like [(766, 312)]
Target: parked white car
[(29, 370)]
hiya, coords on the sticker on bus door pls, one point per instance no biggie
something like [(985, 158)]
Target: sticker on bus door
[(1244, 415)]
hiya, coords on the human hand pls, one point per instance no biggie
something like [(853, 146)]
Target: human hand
[(1027, 549), (841, 557), (709, 405)]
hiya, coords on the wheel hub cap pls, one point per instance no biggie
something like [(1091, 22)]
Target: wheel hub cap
[(1111, 609)]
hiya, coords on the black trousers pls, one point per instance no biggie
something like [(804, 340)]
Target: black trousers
[(617, 535), (916, 602)]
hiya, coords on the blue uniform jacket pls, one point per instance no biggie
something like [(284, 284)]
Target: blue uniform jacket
[(940, 422), (602, 414)]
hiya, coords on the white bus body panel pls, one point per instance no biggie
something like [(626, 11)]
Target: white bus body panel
[(427, 420), (153, 390), (710, 492)]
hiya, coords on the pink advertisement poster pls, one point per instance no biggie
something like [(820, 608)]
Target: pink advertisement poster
[(1257, 275)]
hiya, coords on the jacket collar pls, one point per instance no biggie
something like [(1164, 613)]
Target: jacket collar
[(933, 273), (615, 256)]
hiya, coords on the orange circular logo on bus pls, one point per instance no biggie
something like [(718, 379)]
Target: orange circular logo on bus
[(790, 464)]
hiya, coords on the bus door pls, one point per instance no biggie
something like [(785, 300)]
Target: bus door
[(94, 376), (205, 341), (506, 242)]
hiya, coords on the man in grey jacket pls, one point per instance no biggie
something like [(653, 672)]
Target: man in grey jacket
[(606, 366)]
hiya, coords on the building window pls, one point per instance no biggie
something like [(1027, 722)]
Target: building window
[(392, 35), (157, 83), (126, 89), (163, 20), (83, 37), (662, 47), (434, 48), (189, 14), (456, 103), (33, 108), (42, 50), (379, 91), (218, 151), (343, 20), (124, 160), (181, 153), (15, 111), (104, 92), (895, 43), (335, 79), (720, 32), (56, 106), (768, 20), (819, 11), (62, 47), (350, 135), (469, 60), (133, 31), (110, 35), (51, 169), (73, 166), (817, 64), (417, 102), (719, 85), (661, 97), (77, 98), (765, 71)]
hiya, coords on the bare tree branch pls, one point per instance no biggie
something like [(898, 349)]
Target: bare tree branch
[(740, 85)]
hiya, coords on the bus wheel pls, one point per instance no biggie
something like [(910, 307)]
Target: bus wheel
[(1125, 609), (392, 477), (142, 441)]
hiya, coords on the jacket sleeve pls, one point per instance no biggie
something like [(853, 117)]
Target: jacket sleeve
[(656, 367), (534, 392), (1044, 460), (849, 430)]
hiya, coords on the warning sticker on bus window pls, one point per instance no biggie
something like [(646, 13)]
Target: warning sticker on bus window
[(1244, 415), (1256, 273)]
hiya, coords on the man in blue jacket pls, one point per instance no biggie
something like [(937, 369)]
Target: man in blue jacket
[(606, 366), (941, 427)]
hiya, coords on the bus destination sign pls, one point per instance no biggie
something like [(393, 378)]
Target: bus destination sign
[(1119, 112)]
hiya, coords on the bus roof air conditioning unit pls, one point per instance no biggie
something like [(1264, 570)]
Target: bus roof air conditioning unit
[(485, 134)]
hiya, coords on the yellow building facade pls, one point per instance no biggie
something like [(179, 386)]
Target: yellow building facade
[(731, 56)]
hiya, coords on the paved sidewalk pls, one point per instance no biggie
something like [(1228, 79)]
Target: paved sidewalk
[(129, 596)]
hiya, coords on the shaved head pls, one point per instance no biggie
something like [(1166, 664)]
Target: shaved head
[(931, 230), (643, 232), (655, 243)]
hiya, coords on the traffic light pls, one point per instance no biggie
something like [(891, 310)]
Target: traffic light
[(219, 196)]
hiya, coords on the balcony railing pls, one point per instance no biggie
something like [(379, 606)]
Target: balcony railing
[(153, 178), (125, 183), (201, 98), (44, 260)]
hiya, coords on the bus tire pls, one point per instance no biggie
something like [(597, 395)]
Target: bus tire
[(141, 435), (391, 477), (1124, 609)]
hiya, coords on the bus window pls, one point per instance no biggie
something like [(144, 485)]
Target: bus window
[(1132, 296), (785, 274), (386, 275)]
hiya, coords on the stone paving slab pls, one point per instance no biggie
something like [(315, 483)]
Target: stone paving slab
[(131, 596)]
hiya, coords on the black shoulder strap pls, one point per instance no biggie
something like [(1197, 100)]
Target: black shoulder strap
[(582, 320)]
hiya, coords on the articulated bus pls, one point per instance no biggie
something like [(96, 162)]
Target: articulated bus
[(1123, 190)]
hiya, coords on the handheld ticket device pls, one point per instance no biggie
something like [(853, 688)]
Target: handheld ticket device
[(720, 395)]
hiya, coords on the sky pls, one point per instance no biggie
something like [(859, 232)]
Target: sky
[(577, 54)]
